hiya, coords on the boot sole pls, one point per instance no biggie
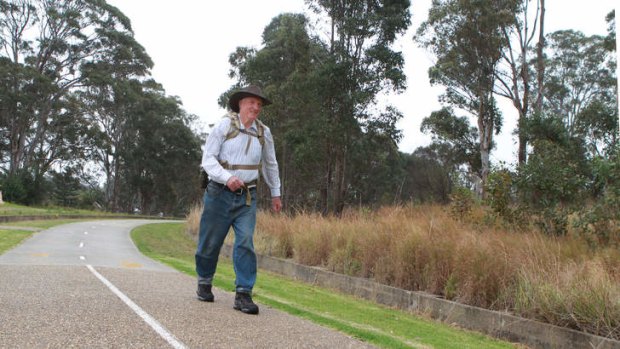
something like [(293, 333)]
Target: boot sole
[(245, 310), (205, 299)]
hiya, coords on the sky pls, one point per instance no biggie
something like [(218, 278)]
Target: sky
[(189, 42)]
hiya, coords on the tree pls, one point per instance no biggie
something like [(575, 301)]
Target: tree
[(160, 159), (455, 141), (45, 47), (467, 39), (360, 66), (515, 71), (581, 89)]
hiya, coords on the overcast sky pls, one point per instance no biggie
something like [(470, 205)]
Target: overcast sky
[(190, 41)]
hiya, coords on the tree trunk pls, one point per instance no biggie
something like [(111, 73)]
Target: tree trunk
[(540, 63)]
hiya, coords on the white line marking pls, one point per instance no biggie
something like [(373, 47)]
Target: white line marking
[(161, 330), (85, 233), (81, 244), (83, 258)]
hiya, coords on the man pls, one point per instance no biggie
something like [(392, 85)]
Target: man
[(234, 152)]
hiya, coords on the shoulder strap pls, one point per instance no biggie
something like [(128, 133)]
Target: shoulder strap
[(235, 128), (261, 132), (233, 131)]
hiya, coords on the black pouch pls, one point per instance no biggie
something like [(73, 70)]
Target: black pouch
[(204, 179)]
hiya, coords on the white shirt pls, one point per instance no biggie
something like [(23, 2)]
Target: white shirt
[(217, 149)]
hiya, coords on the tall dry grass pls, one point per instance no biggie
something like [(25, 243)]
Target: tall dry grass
[(557, 280)]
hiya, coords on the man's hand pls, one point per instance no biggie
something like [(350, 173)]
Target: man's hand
[(276, 204), (234, 183)]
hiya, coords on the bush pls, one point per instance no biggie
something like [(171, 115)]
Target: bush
[(461, 203), (14, 190), (600, 223)]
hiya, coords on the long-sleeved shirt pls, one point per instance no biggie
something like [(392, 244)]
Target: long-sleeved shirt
[(233, 151)]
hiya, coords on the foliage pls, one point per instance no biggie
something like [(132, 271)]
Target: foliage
[(455, 142), (426, 178), (600, 223), (14, 189), (499, 194), (461, 203), (581, 89)]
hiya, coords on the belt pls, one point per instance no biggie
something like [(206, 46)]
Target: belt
[(246, 188)]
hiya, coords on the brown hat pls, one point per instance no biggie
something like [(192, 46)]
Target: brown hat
[(249, 91)]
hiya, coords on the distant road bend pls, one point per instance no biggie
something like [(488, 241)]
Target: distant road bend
[(86, 285)]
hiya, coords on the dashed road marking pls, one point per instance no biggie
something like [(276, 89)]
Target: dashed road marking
[(155, 325)]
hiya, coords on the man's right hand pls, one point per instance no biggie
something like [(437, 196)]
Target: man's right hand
[(234, 183)]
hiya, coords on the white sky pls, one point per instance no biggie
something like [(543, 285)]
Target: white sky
[(190, 41)]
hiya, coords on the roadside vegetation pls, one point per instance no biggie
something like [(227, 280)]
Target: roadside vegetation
[(376, 324), (11, 209), (11, 238), (470, 259)]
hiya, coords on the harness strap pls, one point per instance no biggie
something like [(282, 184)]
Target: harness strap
[(228, 166), (246, 186)]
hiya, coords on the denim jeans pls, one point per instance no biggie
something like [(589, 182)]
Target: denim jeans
[(224, 209)]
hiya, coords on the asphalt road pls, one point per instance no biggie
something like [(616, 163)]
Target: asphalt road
[(85, 285)]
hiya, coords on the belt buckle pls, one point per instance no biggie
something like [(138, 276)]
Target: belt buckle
[(239, 191)]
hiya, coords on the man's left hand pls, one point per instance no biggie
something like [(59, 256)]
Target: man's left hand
[(276, 204)]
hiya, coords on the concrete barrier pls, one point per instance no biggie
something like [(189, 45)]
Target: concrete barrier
[(532, 333)]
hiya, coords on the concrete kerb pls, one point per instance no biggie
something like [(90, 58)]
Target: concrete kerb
[(532, 333)]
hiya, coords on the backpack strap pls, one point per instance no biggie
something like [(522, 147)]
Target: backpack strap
[(235, 128)]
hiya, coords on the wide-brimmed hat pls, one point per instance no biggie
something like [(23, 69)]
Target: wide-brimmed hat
[(249, 91)]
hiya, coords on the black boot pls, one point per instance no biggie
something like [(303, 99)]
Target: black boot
[(243, 303), (204, 293)]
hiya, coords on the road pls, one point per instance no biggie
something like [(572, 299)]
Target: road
[(85, 285)]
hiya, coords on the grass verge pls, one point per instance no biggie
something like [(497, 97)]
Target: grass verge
[(9, 209), (11, 238), (367, 321)]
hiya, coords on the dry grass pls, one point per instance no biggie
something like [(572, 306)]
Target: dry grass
[(557, 280)]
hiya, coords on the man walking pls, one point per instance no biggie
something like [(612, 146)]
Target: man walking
[(237, 148)]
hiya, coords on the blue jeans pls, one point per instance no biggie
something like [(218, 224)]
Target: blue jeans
[(224, 209)]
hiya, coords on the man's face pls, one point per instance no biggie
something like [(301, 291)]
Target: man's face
[(250, 107)]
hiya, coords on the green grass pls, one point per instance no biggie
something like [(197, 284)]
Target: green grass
[(367, 321), (11, 238), (10, 209)]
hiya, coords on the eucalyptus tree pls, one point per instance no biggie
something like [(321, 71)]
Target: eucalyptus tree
[(581, 88), (454, 140), (515, 77), (159, 158), (360, 67), (46, 46), (467, 39)]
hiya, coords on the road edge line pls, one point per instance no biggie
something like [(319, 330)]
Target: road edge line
[(155, 325)]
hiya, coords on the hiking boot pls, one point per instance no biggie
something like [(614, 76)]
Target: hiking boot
[(204, 293), (243, 303)]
